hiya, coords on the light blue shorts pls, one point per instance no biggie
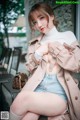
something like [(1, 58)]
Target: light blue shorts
[(51, 84)]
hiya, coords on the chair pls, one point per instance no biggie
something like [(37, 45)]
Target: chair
[(3, 55), (6, 60), (8, 93), (15, 60), (16, 54)]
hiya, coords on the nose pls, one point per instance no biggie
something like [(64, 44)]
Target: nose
[(39, 23)]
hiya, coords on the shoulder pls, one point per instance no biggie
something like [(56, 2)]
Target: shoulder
[(36, 39), (31, 45), (32, 41), (69, 36)]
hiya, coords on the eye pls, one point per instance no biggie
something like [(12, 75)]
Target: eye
[(42, 17)]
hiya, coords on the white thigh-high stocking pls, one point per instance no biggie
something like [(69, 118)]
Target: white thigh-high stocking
[(14, 116)]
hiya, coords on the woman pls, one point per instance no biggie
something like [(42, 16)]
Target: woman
[(52, 57)]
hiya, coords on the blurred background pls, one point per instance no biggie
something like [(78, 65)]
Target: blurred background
[(14, 27), (15, 35)]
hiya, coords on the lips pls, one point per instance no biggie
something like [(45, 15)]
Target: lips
[(42, 29)]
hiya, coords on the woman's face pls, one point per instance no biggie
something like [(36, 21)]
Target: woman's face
[(42, 23)]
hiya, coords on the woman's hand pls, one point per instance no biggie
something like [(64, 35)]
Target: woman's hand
[(42, 50), (55, 48), (54, 45)]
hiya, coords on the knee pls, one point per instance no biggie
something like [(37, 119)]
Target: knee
[(14, 116), (16, 103), (19, 102)]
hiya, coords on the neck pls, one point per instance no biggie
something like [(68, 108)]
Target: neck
[(53, 31)]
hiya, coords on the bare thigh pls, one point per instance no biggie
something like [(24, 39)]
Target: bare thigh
[(48, 104)]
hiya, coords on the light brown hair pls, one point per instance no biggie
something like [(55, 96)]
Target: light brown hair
[(44, 9)]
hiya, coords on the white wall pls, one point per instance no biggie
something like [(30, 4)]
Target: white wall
[(18, 42), (26, 3)]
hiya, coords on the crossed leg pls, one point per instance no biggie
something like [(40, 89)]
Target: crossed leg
[(31, 116), (39, 103)]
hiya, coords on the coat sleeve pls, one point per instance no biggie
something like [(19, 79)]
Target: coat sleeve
[(67, 56), (30, 62)]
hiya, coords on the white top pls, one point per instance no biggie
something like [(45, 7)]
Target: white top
[(53, 35)]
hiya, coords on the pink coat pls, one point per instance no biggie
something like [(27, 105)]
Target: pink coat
[(68, 57)]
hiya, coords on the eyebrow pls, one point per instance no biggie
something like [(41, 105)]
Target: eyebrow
[(37, 17), (40, 15)]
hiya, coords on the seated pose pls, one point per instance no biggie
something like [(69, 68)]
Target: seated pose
[(52, 57)]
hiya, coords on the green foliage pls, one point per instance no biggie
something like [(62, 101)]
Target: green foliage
[(9, 10)]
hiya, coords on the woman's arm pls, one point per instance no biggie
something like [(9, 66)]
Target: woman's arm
[(40, 52), (34, 56), (30, 63), (67, 56)]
